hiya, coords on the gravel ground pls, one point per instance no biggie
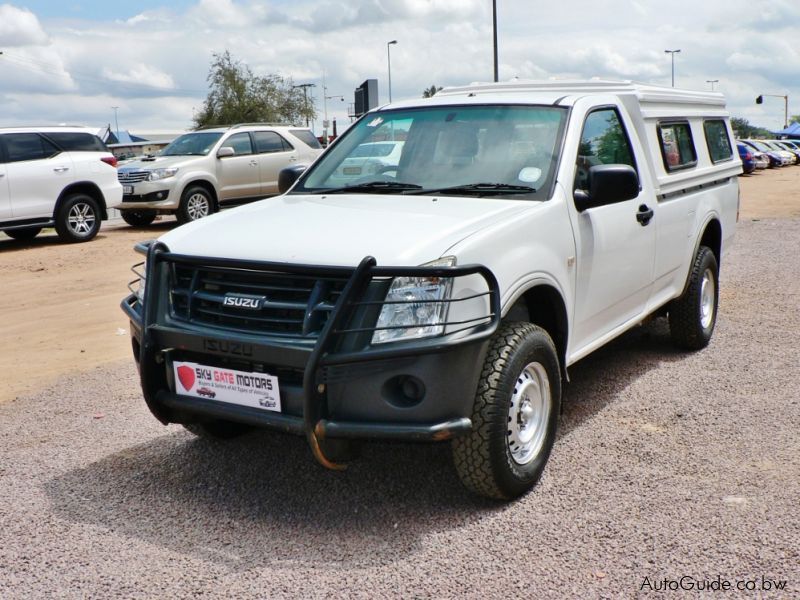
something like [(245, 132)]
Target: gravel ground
[(667, 465)]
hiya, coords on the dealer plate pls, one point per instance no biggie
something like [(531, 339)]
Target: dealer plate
[(127, 189), (257, 390), (351, 170)]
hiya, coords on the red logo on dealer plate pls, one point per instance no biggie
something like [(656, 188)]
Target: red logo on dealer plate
[(186, 377)]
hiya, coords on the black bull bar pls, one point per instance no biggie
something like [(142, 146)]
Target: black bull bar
[(324, 353)]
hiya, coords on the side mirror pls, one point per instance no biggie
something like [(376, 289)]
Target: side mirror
[(225, 151), (608, 184), (288, 176)]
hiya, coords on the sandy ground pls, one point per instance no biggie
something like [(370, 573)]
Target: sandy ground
[(59, 308)]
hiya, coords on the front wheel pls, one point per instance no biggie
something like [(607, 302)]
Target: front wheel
[(515, 414), (78, 219), (196, 203), (692, 317)]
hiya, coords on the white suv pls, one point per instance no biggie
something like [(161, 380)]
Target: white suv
[(203, 169), (62, 177)]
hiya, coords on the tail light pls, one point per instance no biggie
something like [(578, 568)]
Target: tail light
[(110, 160), (748, 156)]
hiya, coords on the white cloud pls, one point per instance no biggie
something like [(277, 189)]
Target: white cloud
[(127, 63), (20, 27)]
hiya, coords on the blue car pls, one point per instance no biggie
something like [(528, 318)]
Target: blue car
[(748, 160)]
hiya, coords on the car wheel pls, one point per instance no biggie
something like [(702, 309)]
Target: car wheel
[(216, 430), (692, 317), (515, 414), (196, 203), (138, 218), (25, 234), (78, 219)]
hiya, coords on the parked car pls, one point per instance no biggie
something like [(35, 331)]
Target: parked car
[(788, 147), (526, 225), (776, 159), (748, 160), (200, 171), (62, 177), (788, 155)]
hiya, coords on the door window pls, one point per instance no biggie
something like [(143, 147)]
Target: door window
[(240, 142), (603, 142), (269, 141), (28, 146)]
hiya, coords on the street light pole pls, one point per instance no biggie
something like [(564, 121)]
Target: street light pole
[(389, 64), (712, 82), (494, 34), (760, 100), (673, 53)]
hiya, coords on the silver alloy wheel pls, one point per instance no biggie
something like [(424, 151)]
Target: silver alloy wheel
[(197, 206), (529, 413), (81, 219), (707, 299)]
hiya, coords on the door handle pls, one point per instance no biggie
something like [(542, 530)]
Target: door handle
[(60, 169), (644, 215), (292, 158), (253, 163)]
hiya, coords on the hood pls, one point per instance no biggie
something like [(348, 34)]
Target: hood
[(342, 229), (158, 162)]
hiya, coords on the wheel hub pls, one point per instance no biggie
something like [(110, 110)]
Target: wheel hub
[(707, 299), (528, 414)]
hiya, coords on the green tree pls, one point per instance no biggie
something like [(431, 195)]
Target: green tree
[(237, 95), (743, 129), (430, 92)]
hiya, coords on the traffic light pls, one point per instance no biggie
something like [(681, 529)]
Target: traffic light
[(760, 100)]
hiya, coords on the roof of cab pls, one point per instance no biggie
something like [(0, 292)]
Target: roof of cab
[(563, 92)]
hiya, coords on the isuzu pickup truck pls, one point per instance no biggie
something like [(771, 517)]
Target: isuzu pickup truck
[(442, 295)]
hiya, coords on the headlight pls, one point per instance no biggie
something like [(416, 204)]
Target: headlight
[(157, 174), (418, 312)]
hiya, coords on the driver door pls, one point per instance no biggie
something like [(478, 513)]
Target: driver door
[(238, 175)]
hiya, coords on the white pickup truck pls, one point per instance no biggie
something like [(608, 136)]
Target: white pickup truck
[(444, 295)]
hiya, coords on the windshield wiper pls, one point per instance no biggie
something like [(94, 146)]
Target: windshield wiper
[(482, 189), (372, 186)]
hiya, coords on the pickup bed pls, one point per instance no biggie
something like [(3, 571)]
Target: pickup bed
[(443, 292)]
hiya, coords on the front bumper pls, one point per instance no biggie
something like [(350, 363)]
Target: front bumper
[(417, 390), (149, 195)]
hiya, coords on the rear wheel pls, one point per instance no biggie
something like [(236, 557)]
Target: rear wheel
[(25, 234), (515, 414), (692, 317), (196, 203), (138, 218), (78, 219)]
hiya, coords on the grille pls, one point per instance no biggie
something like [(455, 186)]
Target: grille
[(132, 176), (291, 305)]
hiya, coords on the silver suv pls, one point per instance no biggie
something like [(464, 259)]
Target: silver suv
[(203, 169), (62, 177)]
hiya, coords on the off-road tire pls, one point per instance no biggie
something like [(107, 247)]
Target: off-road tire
[(689, 327), (78, 219), (483, 458), (23, 235), (196, 203), (217, 430), (138, 218)]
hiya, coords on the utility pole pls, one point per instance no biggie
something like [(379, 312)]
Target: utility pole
[(305, 87), (325, 99), (389, 65)]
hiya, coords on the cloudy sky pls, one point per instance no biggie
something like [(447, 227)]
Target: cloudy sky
[(72, 61)]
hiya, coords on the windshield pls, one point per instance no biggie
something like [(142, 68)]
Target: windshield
[(495, 150), (192, 144)]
